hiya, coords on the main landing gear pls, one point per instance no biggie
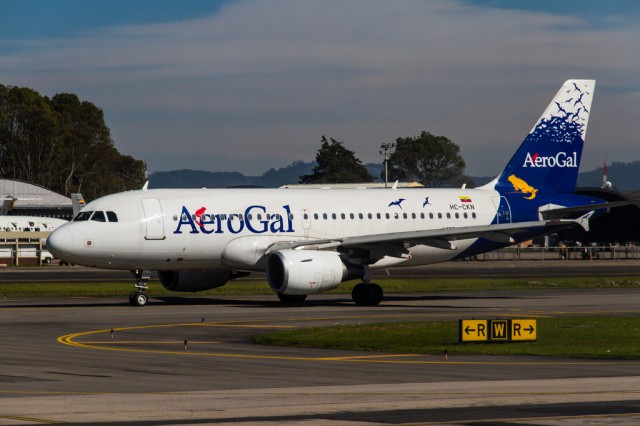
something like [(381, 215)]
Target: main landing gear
[(139, 297), (367, 294)]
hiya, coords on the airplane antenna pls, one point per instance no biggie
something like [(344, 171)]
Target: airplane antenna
[(606, 184)]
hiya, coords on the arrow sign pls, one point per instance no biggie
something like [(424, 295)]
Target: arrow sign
[(473, 331), (523, 330)]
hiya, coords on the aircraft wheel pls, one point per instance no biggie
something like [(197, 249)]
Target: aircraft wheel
[(138, 299), (356, 294), (292, 298), (367, 294)]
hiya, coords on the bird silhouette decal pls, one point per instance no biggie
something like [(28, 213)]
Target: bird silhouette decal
[(426, 202), (398, 203)]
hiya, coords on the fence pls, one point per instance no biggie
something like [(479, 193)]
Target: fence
[(564, 253)]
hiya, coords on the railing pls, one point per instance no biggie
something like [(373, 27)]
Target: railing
[(18, 248), (564, 253)]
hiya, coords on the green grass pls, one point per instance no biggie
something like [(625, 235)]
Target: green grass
[(589, 337), (248, 287)]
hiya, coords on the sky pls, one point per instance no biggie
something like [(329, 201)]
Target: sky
[(250, 85)]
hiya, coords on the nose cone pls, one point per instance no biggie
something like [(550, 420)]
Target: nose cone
[(60, 243)]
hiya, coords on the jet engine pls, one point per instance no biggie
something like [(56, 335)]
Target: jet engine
[(192, 281), (301, 272)]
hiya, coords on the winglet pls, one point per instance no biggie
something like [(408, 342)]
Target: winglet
[(395, 186), (146, 186), (584, 220)]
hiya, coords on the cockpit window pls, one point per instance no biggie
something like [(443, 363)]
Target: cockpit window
[(98, 217), (82, 216), (112, 216)]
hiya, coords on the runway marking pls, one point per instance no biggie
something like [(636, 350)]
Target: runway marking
[(432, 359), (147, 342)]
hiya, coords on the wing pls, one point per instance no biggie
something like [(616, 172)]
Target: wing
[(440, 238)]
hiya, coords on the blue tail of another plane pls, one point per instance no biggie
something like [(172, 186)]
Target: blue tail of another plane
[(549, 158)]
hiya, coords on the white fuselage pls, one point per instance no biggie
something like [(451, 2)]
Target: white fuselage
[(187, 229)]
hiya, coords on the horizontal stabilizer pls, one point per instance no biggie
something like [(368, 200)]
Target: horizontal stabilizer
[(558, 212)]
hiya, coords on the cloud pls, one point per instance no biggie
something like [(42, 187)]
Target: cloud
[(256, 84)]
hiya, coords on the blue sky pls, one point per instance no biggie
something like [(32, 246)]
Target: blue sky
[(249, 85)]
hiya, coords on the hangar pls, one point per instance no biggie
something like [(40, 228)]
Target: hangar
[(25, 199), (620, 226)]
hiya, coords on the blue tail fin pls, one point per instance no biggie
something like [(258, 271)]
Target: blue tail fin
[(549, 158)]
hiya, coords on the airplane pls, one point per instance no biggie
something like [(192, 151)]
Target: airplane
[(309, 241), (13, 223)]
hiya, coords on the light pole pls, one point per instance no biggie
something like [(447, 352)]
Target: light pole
[(386, 147)]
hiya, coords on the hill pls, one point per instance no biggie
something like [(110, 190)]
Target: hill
[(624, 177), (272, 178)]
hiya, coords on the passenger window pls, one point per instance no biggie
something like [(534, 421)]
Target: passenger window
[(465, 215), (351, 215), (473, 215), (370, 216), (387, 216), (98, 217), (342, 216), (113, 217), (404, 215), (315, 216), (439, 215), (306, 216), (324, 216), (457, 216), (333, 216), (360, 216), (448, 215), (378, 216)]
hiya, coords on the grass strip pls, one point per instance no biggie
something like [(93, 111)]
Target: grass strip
[(249, 287), (587, 337)]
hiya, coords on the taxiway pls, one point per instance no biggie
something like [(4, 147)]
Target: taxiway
[(61, 363)]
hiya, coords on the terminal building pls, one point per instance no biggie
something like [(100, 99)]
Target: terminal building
[(22, 238)]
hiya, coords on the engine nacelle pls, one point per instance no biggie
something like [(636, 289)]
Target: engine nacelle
[(301, 272), (192, 281)]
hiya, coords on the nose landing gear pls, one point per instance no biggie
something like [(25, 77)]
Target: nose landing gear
[(139, 297)]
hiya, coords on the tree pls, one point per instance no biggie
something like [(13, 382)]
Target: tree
[(336, 164), (434, 161), (62, 144)]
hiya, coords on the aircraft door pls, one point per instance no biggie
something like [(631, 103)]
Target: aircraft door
[(306, 221), (153, 219), (503, 213)]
